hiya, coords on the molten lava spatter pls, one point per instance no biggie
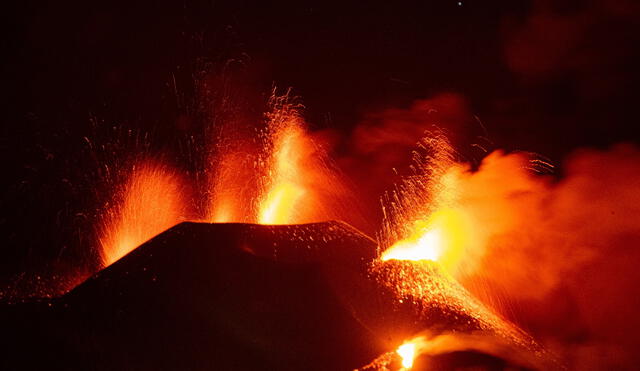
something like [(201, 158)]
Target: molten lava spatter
[(431, 239), (285, 188), (147, 203), (422, 218), (421, 352), (402, 359), (281, 177), (297, 184), (442, 237), (432, 291), (452, 319), (232, 186)]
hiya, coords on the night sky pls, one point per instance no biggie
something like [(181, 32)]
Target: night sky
[(541, 76)]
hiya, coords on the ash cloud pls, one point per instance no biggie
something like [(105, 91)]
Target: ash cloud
[(561, 255)]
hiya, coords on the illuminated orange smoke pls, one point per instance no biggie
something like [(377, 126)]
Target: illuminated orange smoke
[(148, 203), (423, 220), (538, 246), (451, 215)]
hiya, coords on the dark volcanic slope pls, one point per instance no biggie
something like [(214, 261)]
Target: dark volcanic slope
[(250, 297), (203, 297)]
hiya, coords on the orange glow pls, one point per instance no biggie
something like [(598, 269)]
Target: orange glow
[(279, 204), (231, 187), (285, 190), (148, 203), (281, 176), (442, 237), (424, 218), (409, 351), (222, 214)]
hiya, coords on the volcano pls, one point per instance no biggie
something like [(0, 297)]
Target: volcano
[(242, 296)]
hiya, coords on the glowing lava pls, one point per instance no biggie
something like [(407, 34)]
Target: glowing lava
[(424, 219), (408, 352), (285, 189), (149, 202), (442, 237), (283, 176), (232, 186)]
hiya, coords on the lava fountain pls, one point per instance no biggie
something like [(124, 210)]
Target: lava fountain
[(442, 237), (423, 219), (286, 147), (283, 176), (431, 240), (147, 203)]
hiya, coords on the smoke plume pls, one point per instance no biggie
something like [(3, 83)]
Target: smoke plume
[(556, 254), (559, 255)]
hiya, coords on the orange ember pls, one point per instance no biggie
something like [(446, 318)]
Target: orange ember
[(148, 203)]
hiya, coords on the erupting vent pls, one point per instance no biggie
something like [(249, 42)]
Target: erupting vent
[(245, 296)]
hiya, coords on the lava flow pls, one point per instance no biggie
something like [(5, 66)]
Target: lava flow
[(402, 359)]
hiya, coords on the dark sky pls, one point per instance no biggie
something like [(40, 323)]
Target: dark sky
[(543, 76), (540, 74)]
